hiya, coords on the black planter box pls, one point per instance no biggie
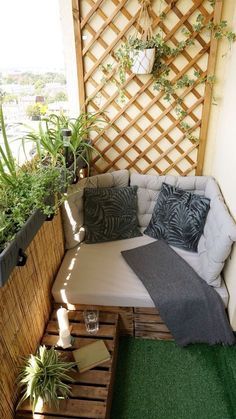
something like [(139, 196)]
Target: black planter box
[(13, 255)]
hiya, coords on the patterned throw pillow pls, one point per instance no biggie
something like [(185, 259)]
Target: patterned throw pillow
[(110, 214), (178, 217)]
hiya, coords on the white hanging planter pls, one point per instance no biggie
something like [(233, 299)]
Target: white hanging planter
[(143, 60)]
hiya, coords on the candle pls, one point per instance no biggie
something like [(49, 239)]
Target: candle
[(65, 339), (62, 317)]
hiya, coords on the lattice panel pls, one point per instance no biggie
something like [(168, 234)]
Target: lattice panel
[(144, 134)]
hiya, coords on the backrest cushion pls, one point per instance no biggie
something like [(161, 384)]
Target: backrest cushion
[(73, 207), (218, 235), (220, 229)]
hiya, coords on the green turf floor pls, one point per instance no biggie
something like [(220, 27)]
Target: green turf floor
[(159, 380)]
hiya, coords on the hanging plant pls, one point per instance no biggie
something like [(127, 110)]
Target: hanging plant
[(136, 55)]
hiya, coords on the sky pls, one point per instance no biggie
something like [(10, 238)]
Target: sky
[(30, 35)]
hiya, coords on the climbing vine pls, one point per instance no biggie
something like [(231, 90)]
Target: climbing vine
[(162, 81)]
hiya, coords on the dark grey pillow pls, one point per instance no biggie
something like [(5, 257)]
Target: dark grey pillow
[(110, 214), (178, 217)]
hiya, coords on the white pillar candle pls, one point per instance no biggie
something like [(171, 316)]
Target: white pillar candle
[(62, 317), (65, 339)]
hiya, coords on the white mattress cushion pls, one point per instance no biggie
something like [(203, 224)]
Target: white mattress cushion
[(97, 274)]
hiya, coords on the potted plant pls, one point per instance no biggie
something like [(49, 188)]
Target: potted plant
[(36, 111), (72, 151), (138, 53), (44, 378), (143, 57)]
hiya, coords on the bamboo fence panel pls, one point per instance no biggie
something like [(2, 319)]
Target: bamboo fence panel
[(25, 306), (144, 134)]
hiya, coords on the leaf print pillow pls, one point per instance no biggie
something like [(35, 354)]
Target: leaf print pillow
[(178, 217), (110, 214)]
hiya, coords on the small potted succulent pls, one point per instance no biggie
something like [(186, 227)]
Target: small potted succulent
[(44, 378)]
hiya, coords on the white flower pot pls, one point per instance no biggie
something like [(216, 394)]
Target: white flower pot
[(143, 60)]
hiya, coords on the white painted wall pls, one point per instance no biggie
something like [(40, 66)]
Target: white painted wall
[(220, 158), (66, 17)]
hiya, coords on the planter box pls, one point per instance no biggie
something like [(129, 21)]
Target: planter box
[(13, 254), (143, 60)]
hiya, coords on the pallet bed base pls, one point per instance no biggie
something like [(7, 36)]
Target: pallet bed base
[(148, 324), (140, 322)]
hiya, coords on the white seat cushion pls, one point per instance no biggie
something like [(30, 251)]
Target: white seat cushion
[(97, 274)]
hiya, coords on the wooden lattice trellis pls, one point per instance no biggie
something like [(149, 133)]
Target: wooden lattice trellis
[(144, 134)]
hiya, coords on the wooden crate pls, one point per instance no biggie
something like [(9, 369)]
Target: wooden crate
[(126, 315), (92, 390), (149, 324)]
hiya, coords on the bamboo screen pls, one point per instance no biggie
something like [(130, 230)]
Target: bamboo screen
[(144, 134), (25, 306)]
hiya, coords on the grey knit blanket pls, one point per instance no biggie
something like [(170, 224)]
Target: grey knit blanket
[(192, 310)]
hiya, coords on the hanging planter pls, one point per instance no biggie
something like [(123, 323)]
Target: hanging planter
[(143, 55), (14, 254), (140, 51), (142, 60)]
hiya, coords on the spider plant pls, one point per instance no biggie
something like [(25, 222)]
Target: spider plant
[(80, 128), (49, 141), (7, 162), (45, 377)]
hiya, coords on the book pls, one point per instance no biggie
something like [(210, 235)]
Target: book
[(91, 355)]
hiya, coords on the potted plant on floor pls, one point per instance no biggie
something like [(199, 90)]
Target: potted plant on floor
[(44, 378)]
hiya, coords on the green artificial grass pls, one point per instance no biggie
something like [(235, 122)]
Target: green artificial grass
[(159, 380)]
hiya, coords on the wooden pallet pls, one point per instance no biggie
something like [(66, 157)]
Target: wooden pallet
[(149, 325), (92, 390)]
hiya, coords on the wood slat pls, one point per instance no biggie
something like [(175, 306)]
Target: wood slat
[(208, 93), (148, 318), (51, 340), (78, 329), (77, 316), (151, 327), (73, 408), (146, 310), (153, 335), (89, 392)]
